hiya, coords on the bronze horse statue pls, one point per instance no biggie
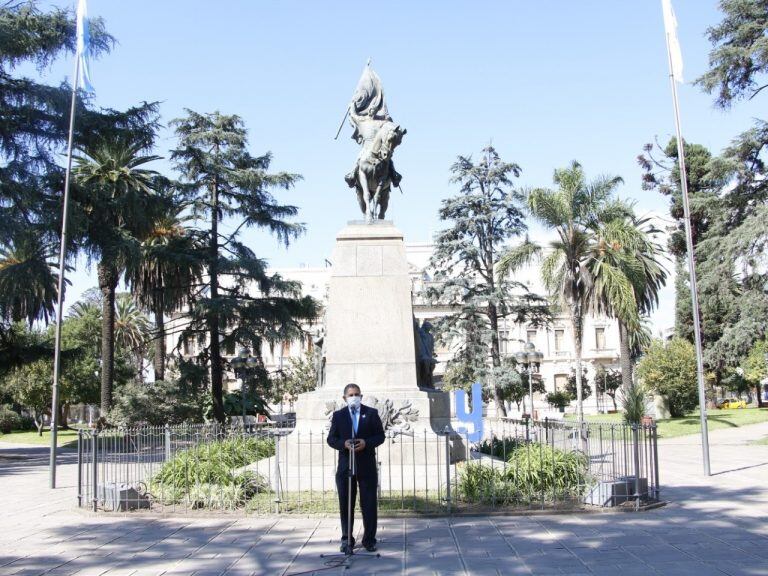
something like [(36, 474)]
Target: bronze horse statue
[(374, 173)]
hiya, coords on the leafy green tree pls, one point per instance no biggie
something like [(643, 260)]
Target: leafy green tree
[(514, 382), (572, 386), (738, 62), (155, 404), (577, 210), (755, 367), (608, 382), (481, 218), (225, 180), (297, 378), (34, 117), (31, 385), (669, 369)]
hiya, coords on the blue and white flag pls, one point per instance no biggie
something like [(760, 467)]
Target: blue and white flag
[(83, 47)]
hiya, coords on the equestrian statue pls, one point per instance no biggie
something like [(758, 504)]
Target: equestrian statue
[(374, 174)]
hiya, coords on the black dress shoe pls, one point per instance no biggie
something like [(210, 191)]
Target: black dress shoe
[(343, 547)]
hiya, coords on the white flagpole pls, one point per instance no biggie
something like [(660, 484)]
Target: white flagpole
[(691, 265), (62, 264)]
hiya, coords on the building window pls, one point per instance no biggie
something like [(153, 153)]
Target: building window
[(188, 348), (530, 335), (600, 338), (229, 349), (559, 340), (503, 341), (561, 382)]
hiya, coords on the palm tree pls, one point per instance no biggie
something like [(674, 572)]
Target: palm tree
[(132, 331), (28, 283), (163, 277), (115, 200), (628, 279), (575, 211)]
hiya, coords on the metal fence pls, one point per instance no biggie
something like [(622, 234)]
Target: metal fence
[(259, 469)]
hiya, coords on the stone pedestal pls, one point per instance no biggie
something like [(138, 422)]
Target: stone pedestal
[(370, 341), (369, 335)]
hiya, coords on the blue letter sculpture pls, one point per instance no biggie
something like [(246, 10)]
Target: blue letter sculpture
[(475, 417)]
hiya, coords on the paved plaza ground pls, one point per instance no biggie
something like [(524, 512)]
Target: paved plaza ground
[(716, 525)]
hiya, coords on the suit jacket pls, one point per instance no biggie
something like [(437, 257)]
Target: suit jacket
[(369, 428)]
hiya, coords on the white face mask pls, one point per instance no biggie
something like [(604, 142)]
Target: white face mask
[(354, 401)]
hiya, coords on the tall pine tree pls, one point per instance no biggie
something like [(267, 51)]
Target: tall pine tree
[(480, 219), (239, 302)]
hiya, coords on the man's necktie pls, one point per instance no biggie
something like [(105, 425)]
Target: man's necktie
[(354, 420)]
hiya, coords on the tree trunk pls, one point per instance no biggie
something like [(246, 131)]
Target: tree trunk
[(625, 356), (493, 317), (39, 421), (576, 323), (159, 361), (63, 416), (759, 391), (108, 278), (217, 373)]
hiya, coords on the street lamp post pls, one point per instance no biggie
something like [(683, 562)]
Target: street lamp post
[(530, 359), (243, 364)]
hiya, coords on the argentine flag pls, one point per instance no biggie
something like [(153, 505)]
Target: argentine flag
[(83, 46), (670, 26)]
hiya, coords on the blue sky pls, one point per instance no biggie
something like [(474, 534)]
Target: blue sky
[(546, 82)]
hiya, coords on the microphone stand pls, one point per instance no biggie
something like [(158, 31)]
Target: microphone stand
[(349, 552)]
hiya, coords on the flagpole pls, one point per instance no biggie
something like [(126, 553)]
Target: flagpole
[(691, 268), (62, 265)]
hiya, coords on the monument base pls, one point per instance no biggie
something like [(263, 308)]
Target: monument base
[(369, 341)]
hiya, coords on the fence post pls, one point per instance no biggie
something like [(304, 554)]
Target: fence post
[(95, 471), (447, 432), (636, 450), (167, 442), (546, 429), (655, 448), (528, 429), (80, 468)]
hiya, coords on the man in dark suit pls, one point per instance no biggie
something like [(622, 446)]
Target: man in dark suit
[(358, 426)]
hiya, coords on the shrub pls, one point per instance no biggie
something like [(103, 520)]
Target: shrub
[(546, 471), (633, 402), (559, 399), (481, 483), (499, 447), (9, 420), (534, 471), (669, 369), (210, 475), (154, 403)]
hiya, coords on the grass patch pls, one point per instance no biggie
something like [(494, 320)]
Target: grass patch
[(760, 441), (64, 438), (674, 427), (318, 502)]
